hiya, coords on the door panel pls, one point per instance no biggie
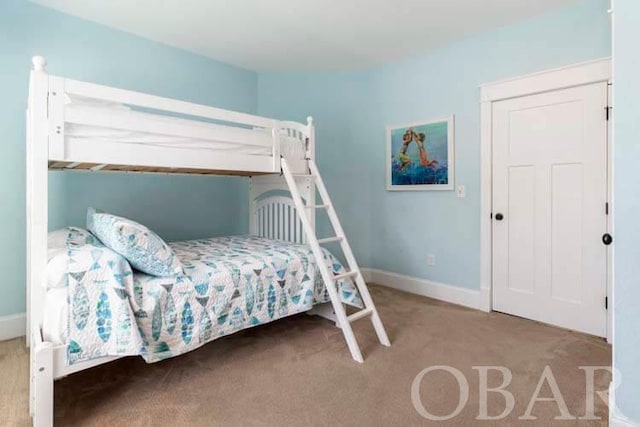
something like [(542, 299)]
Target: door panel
[(521, 234), (566, 232), (550, 184)]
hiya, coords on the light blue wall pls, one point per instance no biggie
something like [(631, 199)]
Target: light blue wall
[(395, 230), (177, 206), (339, 104), (626, 341), (391, 231)]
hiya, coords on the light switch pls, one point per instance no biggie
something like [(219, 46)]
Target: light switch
[(461, 192)]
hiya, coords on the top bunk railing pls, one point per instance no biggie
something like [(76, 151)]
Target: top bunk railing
[(115, 95), (101, 128)]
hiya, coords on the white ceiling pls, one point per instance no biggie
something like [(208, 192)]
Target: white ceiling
[(304, 34)]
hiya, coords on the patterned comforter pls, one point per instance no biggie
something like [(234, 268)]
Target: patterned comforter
[(229, 284)]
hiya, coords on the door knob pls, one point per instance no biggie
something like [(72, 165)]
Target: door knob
[(499, 217), (607, 239)]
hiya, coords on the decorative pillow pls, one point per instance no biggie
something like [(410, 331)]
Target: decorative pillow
[(143, 248)]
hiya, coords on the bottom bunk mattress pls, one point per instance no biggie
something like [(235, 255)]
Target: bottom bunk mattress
[(229, 284)]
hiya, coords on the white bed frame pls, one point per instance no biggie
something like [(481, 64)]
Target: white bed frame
[(275, 201)]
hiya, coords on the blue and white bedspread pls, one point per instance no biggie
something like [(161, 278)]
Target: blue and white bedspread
[(229, 284)]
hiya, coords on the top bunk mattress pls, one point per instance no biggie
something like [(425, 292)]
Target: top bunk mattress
[(229, 283)]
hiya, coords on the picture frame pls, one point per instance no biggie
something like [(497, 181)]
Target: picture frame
[(420, 155)]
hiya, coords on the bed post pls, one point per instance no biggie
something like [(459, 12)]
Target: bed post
[(311, 144), (41, 385), (311, 155), (37, 198), (275, 132), (41, 366)]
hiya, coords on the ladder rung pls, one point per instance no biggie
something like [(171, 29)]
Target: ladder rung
[(344, 320), (329, 240), (360, 314), (317, 206), (345, 275)]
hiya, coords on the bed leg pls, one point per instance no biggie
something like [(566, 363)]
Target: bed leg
[(33, 338), (326, 311), (41, 390), (32, 359)]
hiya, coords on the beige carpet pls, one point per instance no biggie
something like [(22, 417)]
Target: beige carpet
[(298, 371)]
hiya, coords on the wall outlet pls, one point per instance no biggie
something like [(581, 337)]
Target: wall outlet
[(431, 260), (461, 191)]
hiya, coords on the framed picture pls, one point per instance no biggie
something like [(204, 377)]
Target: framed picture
[(420, 156)]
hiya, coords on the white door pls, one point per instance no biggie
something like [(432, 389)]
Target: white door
[(549, 214)]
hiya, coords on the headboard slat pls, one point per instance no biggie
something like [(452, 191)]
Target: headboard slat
[(273, 212)]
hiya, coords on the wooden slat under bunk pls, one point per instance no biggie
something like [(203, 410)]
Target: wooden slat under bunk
[(55, 165)]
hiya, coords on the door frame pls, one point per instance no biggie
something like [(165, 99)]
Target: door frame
[(580, 74)]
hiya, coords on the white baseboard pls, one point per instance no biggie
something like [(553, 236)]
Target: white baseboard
[(13, 326), (615, 418), (454, 294), (618, 421)]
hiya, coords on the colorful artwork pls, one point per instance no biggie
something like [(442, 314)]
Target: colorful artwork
[(420, 156)]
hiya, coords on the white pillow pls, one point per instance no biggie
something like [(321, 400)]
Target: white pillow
[(56, 240), (55, 272)]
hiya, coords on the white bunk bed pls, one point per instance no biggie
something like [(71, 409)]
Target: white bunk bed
[(73, 125)]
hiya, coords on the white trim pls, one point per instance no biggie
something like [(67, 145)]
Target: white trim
[(617, 421), (589, 72), (610, 221), (472, 298), (486, 185), (615, 418), (583, 73), (13, 326)]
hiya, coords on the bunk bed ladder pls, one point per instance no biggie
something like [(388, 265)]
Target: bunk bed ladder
[(343, 320)]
